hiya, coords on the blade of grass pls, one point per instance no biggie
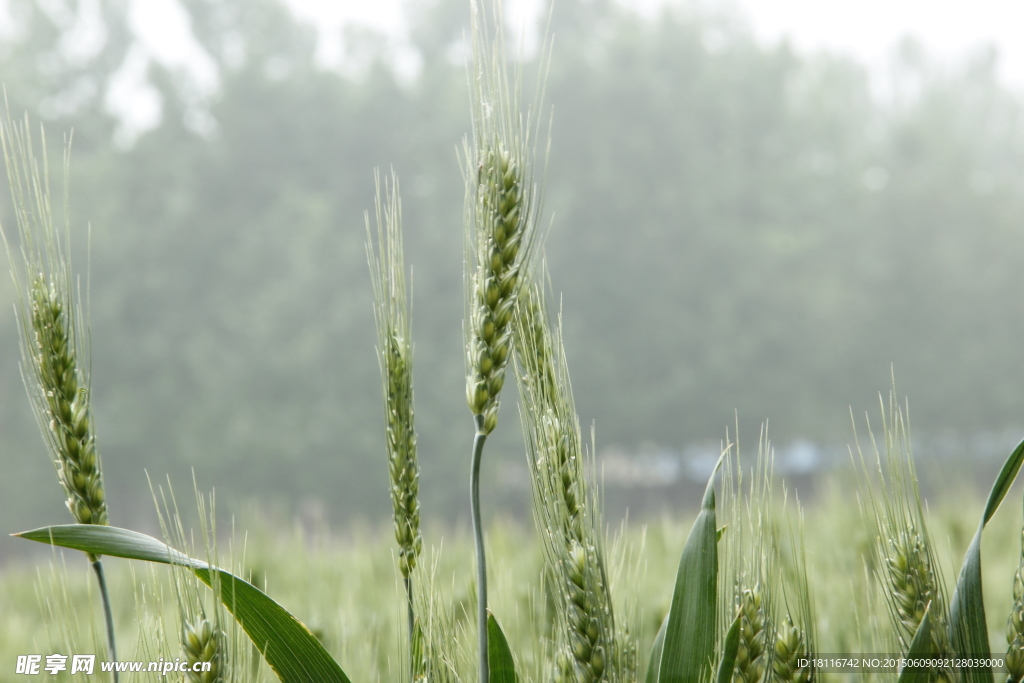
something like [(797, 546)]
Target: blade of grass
[(967, 629), (502, 666), (291, 650), (690, 633)]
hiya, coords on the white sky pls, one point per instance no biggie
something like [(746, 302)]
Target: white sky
[(868, 29)]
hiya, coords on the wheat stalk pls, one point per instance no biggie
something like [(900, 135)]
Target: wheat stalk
[(394, 349), (50, 320), (501, 210)]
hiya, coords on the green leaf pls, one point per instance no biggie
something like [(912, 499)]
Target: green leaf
[(654, 665), (690, 634), (499, 656), (295, 655), (967, 629), (920, 646), (729, 649)]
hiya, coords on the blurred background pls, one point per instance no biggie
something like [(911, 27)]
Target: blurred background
[(751, 222)]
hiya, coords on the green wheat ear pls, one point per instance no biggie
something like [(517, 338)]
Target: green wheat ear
[(501, 212), (500, 217), (751, 576), (1015, 625), (51, 329), (52, 337), (907, 567), (394, 349), (587, 645)]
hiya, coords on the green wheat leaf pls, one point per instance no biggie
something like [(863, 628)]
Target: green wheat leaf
[(295, 655), (967, 629), (690, 633), (654, 665), (729, 650), (499, 656), (920, 646)]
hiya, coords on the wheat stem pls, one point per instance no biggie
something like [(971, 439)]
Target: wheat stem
[(478, 540), (108, 616)]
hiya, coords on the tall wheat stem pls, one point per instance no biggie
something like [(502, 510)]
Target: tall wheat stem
[(478, 540)]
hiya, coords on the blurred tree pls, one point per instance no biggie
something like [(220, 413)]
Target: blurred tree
[(737, 227)]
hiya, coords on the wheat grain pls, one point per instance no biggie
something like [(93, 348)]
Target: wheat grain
[(203, 642), (752, 655), (791, 663)]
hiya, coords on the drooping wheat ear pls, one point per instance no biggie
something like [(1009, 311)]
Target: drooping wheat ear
[(565, 509), (52, 337), (906, 564), (1015, 626), (394, 349), (203, 643), (51, 332)]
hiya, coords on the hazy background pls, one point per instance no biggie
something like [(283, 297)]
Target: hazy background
[(742, 225)]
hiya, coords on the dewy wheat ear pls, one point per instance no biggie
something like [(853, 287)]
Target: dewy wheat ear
[(501, 209), (52, 336)]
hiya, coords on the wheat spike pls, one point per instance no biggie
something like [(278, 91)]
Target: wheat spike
[(203, 642), (791, 646), (1015, 626), (51, 334), (587, 644), (753, 655), (394, 347)]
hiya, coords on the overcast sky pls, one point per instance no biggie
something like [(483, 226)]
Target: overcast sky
[(866, 28)]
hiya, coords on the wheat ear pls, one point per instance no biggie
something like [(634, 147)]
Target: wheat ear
[(50, 320), (907, 567), (565, 509), (500, 218), (203, 642), (394, 349), (795, 640), (752, 576), (1015, 626)]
